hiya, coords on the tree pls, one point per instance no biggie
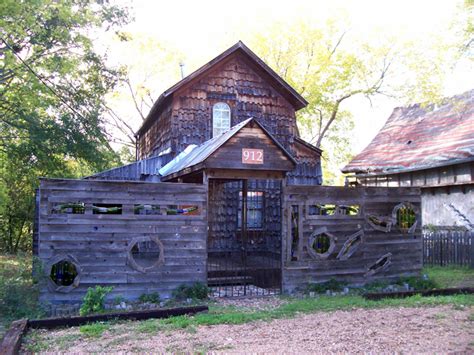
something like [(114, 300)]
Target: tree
[(328, 67), (142, 83), (52, 85)]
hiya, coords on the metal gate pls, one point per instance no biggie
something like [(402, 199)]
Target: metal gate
[(244, 237)]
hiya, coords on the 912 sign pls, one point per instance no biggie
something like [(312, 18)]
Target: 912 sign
[(252, 156)]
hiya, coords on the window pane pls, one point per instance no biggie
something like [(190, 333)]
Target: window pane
[(220, 118)]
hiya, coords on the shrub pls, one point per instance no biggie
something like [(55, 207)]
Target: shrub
[(94, 300), (198, 291), (153, 297), (331, 285), (19, 291), (418, 283)]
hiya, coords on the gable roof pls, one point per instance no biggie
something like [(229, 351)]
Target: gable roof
[(418, 137), (200, 153), (278, 83)]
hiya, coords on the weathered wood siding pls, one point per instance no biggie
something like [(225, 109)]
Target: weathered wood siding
[(229, 156), (99, 242), (406, 249), (447, 192), (157, 137), (238, 82)]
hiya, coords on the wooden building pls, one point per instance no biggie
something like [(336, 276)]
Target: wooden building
[(226, 193), (430, 147)]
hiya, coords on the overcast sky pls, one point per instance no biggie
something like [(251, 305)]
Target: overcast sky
[(202, 29)]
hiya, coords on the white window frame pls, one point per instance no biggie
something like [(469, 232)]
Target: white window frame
[(221, 116)]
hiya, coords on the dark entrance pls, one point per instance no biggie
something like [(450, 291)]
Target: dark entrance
[(244, 238)]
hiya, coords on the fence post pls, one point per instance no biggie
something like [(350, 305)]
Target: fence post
[(471, 241)]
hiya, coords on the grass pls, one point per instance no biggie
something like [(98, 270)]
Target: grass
[(94, 330), (450, 276)]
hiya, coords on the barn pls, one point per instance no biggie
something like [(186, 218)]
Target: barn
[(224, 192), (430, 146)]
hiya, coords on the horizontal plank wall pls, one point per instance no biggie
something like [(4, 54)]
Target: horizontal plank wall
[(301, 267), (99, 243)]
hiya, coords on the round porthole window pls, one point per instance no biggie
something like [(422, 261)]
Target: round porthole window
[(64, 273), (321, 244), (145, 253), (405, 215)]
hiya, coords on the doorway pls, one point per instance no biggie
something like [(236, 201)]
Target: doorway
[(244, 237)]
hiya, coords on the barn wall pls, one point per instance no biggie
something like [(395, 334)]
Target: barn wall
[(446, 191), (99, 242), (448, 206), (406, 248)]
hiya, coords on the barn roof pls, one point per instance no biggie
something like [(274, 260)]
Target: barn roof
[(419, 137), (200, 153), (277, 82)]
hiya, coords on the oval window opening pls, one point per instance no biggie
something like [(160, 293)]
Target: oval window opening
[(405, 215), (63, 273), (321, 243), (146, 253)]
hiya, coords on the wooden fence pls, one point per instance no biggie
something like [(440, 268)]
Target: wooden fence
[(448, 248), (354, 235)]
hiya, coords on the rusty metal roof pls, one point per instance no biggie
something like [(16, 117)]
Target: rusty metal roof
[(419, 137)]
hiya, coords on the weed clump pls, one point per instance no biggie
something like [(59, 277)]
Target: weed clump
[(94, 299), (198, 291)]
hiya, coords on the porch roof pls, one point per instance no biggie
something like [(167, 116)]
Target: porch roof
[(199, 154)]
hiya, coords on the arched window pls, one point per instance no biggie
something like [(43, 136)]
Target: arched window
[(220, 118)]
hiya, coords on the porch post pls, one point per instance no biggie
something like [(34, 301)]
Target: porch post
[(244, 229)]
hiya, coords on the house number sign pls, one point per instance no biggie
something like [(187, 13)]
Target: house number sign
[(252, 156)]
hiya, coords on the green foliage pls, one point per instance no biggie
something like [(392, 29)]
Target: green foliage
[(18, 289), (118, 299), (198, 291), (94, 330), (94, 299), (419, 283), (328, 66), (52, 85), (153, 297), (331, 285)]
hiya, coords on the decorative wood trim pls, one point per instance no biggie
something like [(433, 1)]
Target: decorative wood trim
[(312, 238), (131, 261), (56, 259)]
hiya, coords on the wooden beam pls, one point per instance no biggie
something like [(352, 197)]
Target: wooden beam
[(245, 174), (134, 315), (12, 340)]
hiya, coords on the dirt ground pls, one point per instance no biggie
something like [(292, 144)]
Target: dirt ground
[(413, 330)]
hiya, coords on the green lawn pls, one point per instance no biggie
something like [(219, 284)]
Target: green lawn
[(451, 276)]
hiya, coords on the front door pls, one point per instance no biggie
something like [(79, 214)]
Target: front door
[(244, 238)]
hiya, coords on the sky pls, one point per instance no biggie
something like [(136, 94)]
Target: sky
[(200, 30)]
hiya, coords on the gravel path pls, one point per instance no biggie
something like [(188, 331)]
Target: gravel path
[(413, 330)]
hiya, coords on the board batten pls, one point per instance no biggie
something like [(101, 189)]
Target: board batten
[(99, 242), (405, 249)]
